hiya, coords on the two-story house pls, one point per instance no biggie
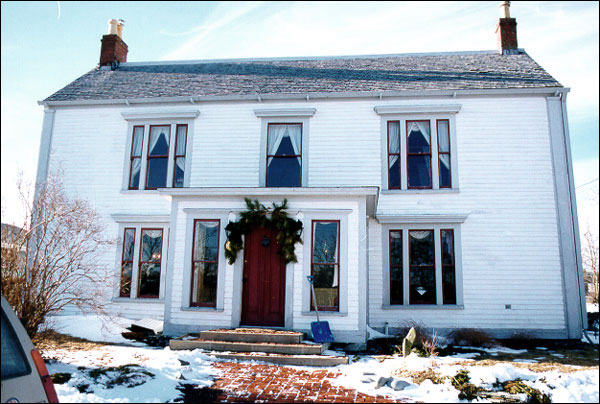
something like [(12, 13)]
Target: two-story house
[(432, 187)]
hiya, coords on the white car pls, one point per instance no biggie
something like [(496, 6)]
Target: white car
[(25, 378)]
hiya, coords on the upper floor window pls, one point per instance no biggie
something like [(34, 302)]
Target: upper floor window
[(157, 158), (284, 155), (419, 146)]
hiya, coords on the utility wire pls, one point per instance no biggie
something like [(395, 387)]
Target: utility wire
[(587, 183)]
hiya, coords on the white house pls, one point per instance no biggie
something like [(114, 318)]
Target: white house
[(431, 187)]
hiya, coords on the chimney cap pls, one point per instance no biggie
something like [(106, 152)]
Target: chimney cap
[(115, 27), (504, 9)]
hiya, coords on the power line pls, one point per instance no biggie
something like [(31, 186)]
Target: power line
[(587, 183)]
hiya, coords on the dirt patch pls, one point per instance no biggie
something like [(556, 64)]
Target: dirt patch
[(51, 340)]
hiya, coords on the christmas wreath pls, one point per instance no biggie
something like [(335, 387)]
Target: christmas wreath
[(288, 229)]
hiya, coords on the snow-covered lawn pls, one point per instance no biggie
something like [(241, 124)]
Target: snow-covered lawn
[(132, 372)]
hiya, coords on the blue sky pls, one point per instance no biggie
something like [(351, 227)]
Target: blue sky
[(46, 45)]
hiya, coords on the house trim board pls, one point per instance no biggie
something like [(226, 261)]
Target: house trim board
[(568, 234), (45, 146)]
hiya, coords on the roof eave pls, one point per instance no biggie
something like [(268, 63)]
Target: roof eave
[(554, 90)]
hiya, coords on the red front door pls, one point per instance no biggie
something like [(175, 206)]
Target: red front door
[(263, 296)]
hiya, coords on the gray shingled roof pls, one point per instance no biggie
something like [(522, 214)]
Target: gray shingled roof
[(443, 71)]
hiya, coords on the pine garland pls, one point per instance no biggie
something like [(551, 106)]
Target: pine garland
[(289, 230)]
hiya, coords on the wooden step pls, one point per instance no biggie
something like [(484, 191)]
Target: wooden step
[(279, 359), (252, 335), (234, 346)]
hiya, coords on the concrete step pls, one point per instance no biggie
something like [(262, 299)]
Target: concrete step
[(253, 335), (279, 359), (234, 346)]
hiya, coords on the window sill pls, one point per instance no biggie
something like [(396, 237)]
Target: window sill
[(424, 307), (203, 309), (139, 191), (137, 300), (324, 314), (420, 191)]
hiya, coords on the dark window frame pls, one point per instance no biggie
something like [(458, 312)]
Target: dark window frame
[(140, 262), (401, 266), (408, 154), (422, 266), (289, 156), (387, 164), (437, 129), (176, 156), (132, 157), (124, 261), (149, 157), (337, 263), (192, 303)]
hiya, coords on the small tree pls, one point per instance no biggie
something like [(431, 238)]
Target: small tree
[(590, 255), (51, 262)]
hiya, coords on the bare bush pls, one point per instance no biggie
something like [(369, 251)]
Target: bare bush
[(471, 337), (51, 261)]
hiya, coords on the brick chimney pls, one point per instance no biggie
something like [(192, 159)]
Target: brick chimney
[(113, 49), (506, 31)]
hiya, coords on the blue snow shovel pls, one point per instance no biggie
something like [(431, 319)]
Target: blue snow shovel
[(320, 329)]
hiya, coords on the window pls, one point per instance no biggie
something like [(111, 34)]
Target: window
[(14, 361), (205, 259), (127, 262), (448, 271), (157, 157), (150, 263), (325, 264), (422, 265), (443, 132), (396, 282), (180, 146), (419, 154), (284, 155), (135, 165), (394, 155)]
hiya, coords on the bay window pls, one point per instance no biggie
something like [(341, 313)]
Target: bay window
[(150, 263), (127, 262)]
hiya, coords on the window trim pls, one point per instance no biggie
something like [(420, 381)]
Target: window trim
[(193, 304), (140, 262), (290, 156), (455, 226), (414, 114), (430, 154), (132, 262), (312, 263)]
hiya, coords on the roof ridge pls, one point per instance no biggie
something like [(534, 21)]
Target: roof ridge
[(299, 58)]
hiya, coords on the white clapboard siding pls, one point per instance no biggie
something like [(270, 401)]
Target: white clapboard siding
[(509, 241)]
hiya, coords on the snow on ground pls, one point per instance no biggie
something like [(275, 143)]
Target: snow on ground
[(156, 372), (578, 386), (92, 327), (154, 376)]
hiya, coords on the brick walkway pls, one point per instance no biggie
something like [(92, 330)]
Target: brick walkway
[(243, 382)]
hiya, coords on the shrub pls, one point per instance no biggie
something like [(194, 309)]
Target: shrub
[(471, 337), (461, 382), (518, 387)]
